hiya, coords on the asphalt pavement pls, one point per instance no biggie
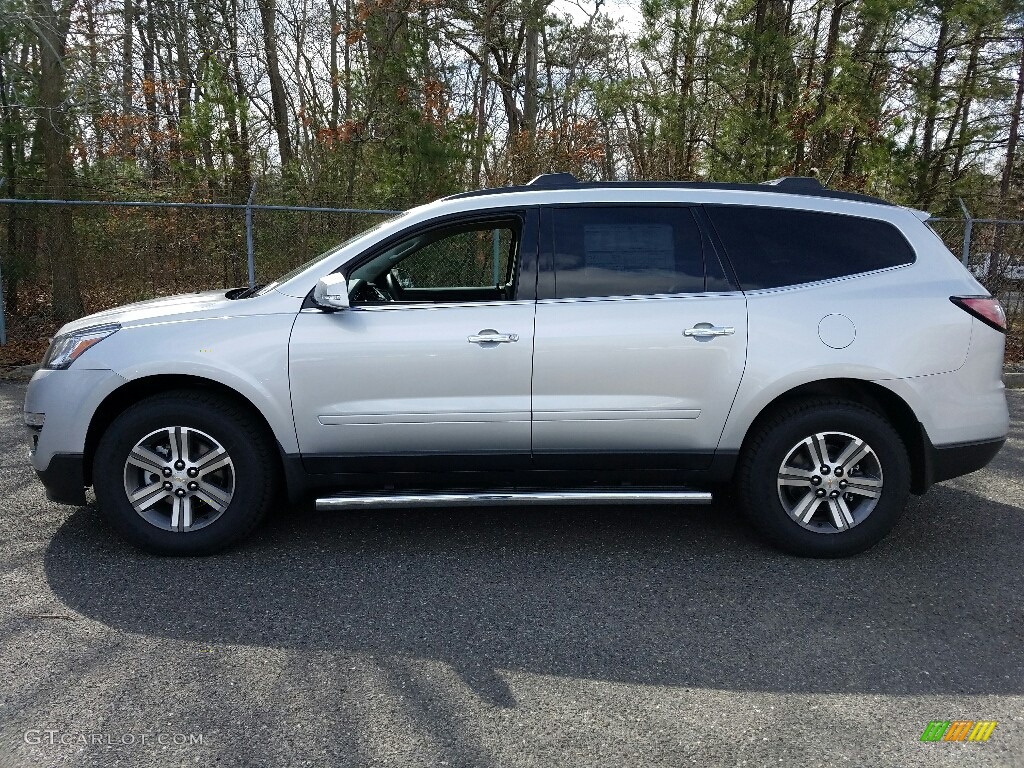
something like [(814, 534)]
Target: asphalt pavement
[(526, 637)]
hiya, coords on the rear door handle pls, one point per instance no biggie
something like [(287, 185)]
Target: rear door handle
[(706, 330), (488, 336)]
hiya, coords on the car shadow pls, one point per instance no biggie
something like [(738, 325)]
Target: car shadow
[(638, 595)]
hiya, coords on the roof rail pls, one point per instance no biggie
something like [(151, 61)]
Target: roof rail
[(790, 185), (554, 180), (807, 184)]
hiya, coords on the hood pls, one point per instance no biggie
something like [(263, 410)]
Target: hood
[(206, 304)]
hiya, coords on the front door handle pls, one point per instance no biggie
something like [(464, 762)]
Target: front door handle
[(490, 336), (706, 331)]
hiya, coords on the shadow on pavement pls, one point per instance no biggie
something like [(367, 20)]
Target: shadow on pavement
[(648, 596)]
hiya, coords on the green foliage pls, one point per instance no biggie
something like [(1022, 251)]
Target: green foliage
[(429, 98)]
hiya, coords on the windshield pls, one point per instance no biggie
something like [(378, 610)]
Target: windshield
[(329, 252)]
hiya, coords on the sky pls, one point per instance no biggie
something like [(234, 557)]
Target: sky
[(626, 12)]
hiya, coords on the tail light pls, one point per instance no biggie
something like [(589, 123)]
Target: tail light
[(985, 308)]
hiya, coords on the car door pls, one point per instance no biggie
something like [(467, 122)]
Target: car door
[(430, 367), (639, 347)]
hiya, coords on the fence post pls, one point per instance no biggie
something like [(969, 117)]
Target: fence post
[(968, 226), (250, 252), (3, 322)]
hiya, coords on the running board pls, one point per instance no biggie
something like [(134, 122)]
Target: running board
[(510, 499)]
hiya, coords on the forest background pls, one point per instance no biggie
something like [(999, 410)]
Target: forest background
[(390, 103)]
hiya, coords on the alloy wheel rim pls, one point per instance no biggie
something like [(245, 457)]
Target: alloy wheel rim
[(179, 479), (830, 482)]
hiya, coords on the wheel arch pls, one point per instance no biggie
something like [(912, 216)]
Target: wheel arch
[(137, 389), (875, 396)]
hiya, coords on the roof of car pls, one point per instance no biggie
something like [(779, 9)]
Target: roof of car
[(790, 185)]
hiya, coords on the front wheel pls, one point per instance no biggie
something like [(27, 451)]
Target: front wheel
[(184, 473), (824, 478)]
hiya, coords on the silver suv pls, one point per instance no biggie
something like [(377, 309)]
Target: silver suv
[(819, 352)]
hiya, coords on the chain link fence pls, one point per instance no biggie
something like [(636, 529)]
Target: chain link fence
[(993, 250), (475, 258), (128, 251), (131, 251)]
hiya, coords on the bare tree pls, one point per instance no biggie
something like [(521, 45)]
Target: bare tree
[(268, 16)]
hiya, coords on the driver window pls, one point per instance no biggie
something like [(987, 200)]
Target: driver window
[(464, 263)]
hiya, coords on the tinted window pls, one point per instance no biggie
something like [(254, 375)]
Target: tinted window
[(627, 251), (771, 247)]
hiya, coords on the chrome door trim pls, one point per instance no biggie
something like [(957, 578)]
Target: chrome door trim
[(511, 498)]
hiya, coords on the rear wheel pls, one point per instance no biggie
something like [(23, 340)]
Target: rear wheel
[(824, 478), (184, 473)]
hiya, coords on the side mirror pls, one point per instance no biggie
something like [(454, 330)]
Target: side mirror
[(331, 291)]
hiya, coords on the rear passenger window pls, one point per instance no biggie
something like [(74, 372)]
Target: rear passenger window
[(772, 247), (626, 251)]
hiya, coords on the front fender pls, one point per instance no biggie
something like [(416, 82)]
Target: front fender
[(247, 354)]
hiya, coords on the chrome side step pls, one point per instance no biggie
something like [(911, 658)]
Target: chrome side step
[(510, 498)]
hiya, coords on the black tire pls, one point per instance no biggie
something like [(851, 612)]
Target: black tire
[(252, 474), (777, 440)]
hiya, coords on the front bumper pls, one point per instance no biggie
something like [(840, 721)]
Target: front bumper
[(68, 399), (64, 479)]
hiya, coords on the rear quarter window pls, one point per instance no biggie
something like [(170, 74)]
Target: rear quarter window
[(774, 247)]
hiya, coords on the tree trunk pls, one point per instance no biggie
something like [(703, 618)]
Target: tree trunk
[(51, 27), (184, 80), (11, 259), (970, 83), (127, 76), (348, 63), (753, 84), (924, 191), (864, 61), (95, 80), (149, 43), (671, 108), (279, 105), (959, 120), (821, 149), (530, 92), (1014, 137), (801, 130), (1007, 176), (335, 89), (686, 101), (241, 172), (480, 143)]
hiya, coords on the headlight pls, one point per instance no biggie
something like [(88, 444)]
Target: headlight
[(66, 348)]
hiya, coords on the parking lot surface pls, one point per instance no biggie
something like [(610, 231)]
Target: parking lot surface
[(526, 637)]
